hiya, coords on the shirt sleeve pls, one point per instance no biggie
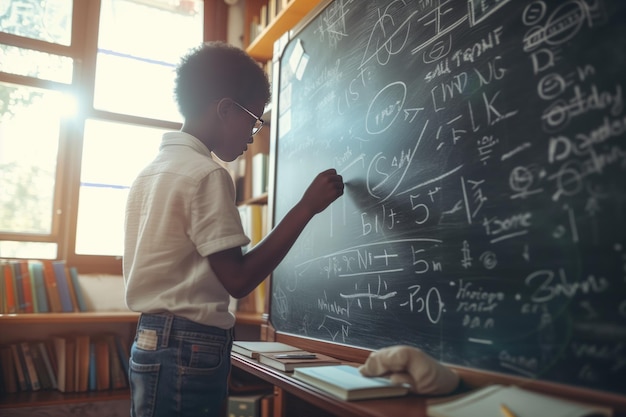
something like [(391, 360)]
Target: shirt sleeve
[(215, 220)]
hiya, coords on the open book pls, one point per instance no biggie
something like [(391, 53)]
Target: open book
[(347, 383), (500, 401)]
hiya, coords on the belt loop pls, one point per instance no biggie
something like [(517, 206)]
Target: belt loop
[(167, 327)]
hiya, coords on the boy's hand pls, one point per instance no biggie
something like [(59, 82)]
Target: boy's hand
[(325, 188)]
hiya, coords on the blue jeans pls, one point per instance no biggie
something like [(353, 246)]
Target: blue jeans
[(178, 367)]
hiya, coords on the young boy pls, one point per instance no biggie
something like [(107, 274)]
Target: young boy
[(183, 237)]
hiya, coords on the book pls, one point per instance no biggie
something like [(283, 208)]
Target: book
[(287, 362), (123, 351), (29, 366), (118, 377), (62, 286), (70, 287), (59, 350), (93, 377), (9, 289), (54, 298), (80, 299), (9, 376), (44, 353), (39, 287), (20, 370), (27, 290), (103, 369), (347, 383), (487, 402), (40, 367), (260, 166), (19, 287), (70, 364), (81, 364), (254, 349)]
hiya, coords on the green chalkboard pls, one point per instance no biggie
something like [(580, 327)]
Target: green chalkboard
[(483, 145)]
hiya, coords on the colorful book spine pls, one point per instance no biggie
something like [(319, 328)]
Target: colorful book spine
[(39, 285), (9, 287), (62, 286), (31, 371), (93, 378), (51, 287), (19, 288), (26, 286), (40, 367)]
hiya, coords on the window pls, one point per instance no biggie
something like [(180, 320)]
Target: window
[(85, 94)]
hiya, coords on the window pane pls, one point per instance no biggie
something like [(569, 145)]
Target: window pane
[(46, 20), (28, 250), (134, 70), (37, 64), (131, 86), (29, 136), (113, 155)]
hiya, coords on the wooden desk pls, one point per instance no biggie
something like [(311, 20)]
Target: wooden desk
[(293, 397)]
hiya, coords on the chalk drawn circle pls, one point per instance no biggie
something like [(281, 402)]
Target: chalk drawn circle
[(551, 86), (489, 260), (385, 108), (566, 20), (521, 179), (533, 13), (438, 50)]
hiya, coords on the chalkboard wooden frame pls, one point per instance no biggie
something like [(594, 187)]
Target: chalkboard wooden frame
[(475, 376)]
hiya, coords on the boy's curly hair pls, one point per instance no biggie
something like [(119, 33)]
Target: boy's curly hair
[(216, 70)]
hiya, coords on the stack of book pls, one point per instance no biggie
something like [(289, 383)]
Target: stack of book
[(281, 356), (67, 363), (33, 286)]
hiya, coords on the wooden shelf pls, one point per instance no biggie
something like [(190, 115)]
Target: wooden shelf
[(43, 398), (104, 317), (84, 317), (262, 47)]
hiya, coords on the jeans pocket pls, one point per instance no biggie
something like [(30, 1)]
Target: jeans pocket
[(202, 355), (143, 384)]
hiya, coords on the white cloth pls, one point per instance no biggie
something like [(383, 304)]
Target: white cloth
[(407, 364), (180, 209)]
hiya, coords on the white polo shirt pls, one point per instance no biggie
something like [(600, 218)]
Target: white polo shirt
[(180, 209)]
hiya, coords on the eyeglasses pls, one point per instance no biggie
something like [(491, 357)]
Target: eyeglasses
[(258, 124)]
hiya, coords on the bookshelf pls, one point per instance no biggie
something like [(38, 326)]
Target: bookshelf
[(290, 13), (25, 327), (31, 327)]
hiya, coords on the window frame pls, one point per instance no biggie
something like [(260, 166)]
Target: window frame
[(83, 50)]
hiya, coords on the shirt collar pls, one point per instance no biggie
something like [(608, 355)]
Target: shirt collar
[(184, 139)]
